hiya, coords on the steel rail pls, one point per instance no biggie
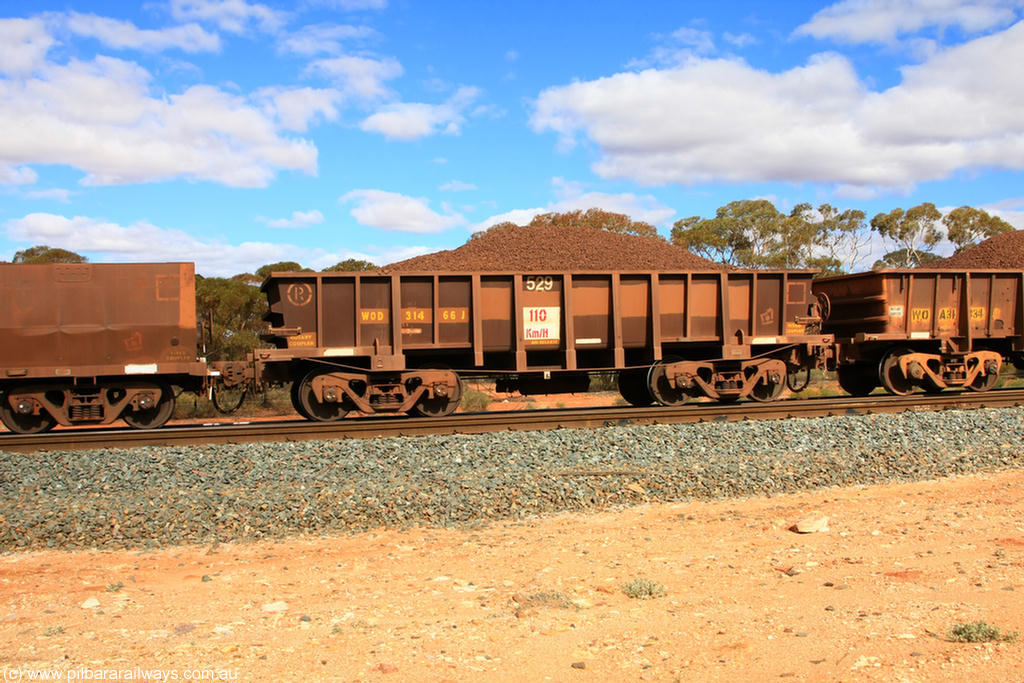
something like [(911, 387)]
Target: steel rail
[(475, 423)]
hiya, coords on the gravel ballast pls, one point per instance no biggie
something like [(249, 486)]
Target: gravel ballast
[(149, 497)]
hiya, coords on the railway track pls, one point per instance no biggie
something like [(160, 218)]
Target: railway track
[(472, 423)]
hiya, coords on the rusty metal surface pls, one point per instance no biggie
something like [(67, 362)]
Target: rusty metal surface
[(369, 427), (535, 321), (922, 304), (84, 320)]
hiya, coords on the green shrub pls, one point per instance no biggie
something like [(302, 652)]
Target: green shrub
[(474, 401), (979, 632), (643, 589)]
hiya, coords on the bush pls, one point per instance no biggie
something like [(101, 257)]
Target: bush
[(643, 589), (979, 632), (474, 401)]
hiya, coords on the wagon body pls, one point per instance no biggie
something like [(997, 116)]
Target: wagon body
[(84, 320), (523, 322), (951, 324), (537, 328), (89, 342)]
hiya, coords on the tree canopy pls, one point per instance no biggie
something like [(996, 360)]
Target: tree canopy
[(232, 310), (351, 265), (591, 218), (966, 226), (45, 254), (752, 233), (913, 232)]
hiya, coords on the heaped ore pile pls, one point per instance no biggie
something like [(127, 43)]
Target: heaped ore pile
[(557, 248), (1005, 250)]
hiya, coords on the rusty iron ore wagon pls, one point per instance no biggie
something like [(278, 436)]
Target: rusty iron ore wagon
[(928, 329), (404, 342), (90, 343)]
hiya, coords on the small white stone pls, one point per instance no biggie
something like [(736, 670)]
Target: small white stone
[(279, 606)]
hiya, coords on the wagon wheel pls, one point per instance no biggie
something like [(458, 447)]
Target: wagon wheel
[(633, 387), (24, 424), (891, 377), (984, 382), (439, 406), (309, 406), (767, 389), (857, 379), (663, 392), (293, 393), (158, 415)]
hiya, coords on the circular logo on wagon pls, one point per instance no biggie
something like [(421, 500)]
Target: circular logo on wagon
[(299, 294)]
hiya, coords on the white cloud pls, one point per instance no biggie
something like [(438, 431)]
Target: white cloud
[(883, 21), (144, 241), (412, 120), (234, 16), (17, 175), (299, 219), (571, 196), (362, 77), (696, 39), (101, 117), (324, 38), (1010, 210), (457, 186), (295, 108), (23, 45), (124, 34), (517, 216), (397, 212), (714, 120)]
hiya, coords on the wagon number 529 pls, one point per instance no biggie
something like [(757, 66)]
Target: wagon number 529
[(539, 284)]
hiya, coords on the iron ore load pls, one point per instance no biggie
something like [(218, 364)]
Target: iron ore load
[(404, 342), (91, 343)]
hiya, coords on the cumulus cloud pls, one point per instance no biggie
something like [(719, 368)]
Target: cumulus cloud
[(101, 116), (413, 120), (362, 77), (398, 213), (234, 16), (571, 196), (884, 21), (299, 219), (124, 34), (715, 120), (23, 45), (144, 241)]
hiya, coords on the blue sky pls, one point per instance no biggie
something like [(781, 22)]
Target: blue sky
[(236, 133)]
